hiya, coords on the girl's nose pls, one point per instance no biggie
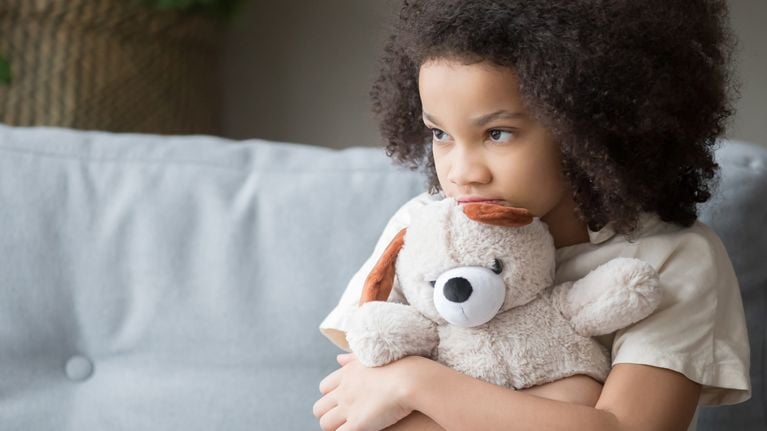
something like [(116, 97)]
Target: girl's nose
[(467, 169)]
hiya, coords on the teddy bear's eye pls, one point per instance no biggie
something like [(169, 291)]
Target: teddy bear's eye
[(497, 266)]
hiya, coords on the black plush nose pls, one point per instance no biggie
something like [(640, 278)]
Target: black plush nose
[(457, 289)]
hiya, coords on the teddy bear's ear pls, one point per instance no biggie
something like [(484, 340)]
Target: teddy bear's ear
[(380, 282), (497, 215)]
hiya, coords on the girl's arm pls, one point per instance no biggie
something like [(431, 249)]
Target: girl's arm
[(577, 389), (634, 397)]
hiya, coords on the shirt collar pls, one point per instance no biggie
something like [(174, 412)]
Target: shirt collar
[(601, 235), (646, 220)]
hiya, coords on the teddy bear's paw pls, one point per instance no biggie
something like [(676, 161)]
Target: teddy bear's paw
[(615, 295), (640, 284), (382, 332)]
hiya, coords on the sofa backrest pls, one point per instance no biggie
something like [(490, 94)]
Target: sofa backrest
[(738, 214)]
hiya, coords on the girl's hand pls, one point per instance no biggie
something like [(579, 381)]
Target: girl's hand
[(357, 398)]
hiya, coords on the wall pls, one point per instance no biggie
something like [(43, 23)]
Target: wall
[(748, 19), (300, 70)]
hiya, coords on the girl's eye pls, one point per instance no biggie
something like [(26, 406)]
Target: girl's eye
[(500, 135), (439, 135)]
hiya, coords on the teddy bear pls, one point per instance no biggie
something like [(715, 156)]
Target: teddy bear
[(478, 295)]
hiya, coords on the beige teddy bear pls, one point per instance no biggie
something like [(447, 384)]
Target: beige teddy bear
[(477, 281)]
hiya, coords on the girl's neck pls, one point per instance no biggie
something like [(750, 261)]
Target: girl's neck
[(565, 225)]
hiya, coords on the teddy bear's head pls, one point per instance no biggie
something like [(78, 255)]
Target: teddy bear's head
[(465, 263)]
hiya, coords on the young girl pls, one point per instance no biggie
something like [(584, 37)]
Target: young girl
[(599, 117)]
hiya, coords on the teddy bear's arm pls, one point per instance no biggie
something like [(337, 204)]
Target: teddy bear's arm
[(381, 332), (612, 296)]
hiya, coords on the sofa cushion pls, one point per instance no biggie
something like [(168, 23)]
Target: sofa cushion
[(176, 283)]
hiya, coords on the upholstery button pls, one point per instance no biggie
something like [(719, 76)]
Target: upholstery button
[(79, 368)]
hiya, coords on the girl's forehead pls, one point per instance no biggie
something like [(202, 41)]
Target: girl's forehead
[(455, 67), (479, 91)]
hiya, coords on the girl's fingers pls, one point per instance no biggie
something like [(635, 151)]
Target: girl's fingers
[(345, 358), (333, 419), (331, 381), (323, 405)]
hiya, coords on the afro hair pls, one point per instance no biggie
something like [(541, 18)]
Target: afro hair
[(635, 93)]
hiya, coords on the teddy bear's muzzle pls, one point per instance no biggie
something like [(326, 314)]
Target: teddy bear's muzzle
[(469, 296)]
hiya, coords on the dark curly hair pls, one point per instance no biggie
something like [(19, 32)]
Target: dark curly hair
[(634, 92)]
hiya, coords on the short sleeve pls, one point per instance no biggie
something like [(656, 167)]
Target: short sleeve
[(335, 324), (699, 329)]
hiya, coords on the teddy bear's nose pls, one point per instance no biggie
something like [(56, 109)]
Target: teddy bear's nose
[(457, 289)]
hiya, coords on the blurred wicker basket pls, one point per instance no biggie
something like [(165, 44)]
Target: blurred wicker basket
[(108, 65)]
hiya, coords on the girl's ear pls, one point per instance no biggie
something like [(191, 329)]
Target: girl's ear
[(497, 215), (380, 282)]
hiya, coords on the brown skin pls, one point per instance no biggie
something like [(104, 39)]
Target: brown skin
[(429, 395), (577, 389), (509, 158)]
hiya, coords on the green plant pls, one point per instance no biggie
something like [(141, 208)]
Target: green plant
[(220, 8), (5, 70)]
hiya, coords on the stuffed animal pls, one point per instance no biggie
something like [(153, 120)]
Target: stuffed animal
[(477, 281)]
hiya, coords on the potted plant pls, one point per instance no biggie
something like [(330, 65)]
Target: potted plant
[(116, 65)]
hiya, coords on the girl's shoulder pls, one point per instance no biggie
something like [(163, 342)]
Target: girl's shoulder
[(655, 241), (669, 245), (699, 328)]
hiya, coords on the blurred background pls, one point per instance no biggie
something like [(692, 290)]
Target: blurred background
[(289, 70)]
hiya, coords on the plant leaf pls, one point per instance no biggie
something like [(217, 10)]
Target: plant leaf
[(5, 71)]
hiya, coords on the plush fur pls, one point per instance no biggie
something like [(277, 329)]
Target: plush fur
[(536, 332)]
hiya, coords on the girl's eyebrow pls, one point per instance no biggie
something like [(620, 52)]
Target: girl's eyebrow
[(497, 115), (484, 119)]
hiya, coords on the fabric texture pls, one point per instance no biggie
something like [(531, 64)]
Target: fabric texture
[(174, 283)]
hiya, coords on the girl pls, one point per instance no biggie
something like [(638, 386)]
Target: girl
[(599, 117)]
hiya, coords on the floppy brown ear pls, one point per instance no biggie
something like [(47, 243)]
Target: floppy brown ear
[(380, 281), (497, 215)]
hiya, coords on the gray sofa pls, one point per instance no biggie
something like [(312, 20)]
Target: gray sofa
[(176, 283)]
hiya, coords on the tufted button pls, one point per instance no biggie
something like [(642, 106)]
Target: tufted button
[(756, 164), (79, 368)]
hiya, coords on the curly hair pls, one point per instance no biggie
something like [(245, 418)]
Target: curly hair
[(635, 93)]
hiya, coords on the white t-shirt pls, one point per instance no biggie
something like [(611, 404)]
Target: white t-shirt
[(699, 329)]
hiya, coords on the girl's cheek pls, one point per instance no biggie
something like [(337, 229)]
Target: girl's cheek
[(440, 167)]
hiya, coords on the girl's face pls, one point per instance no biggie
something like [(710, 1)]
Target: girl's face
[(486, 146)]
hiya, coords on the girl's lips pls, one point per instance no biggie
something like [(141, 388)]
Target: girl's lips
[(475, 199)]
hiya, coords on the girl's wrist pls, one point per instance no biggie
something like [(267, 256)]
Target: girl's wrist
[(413, 375)]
